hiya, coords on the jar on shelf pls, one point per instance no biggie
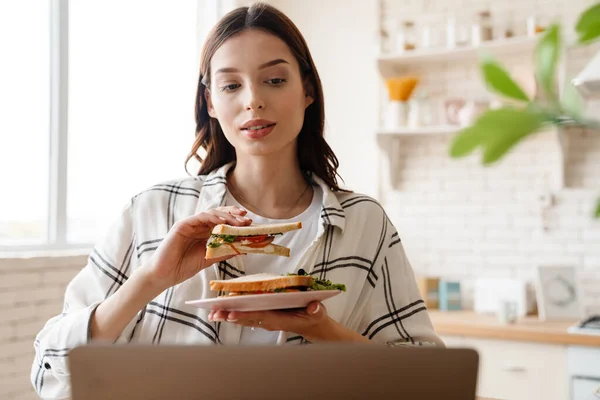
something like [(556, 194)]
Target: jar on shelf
[(427, 36), (431, 32), (482, 28), (506, 28), (458, 32), (381, 41), (406, 38)]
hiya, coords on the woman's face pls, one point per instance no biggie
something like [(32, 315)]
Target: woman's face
[(257, 93)]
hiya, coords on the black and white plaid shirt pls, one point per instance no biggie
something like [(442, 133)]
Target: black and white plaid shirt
[(356, 245)]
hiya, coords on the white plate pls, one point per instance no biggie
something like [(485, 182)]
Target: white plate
[(261, 302)]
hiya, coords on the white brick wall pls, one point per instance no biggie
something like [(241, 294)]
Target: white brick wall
[(459, 219), (31, 291)]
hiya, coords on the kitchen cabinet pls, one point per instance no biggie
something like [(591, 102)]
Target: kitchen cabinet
[(530, 359), (518, 370), (584, 372), (585, 389)]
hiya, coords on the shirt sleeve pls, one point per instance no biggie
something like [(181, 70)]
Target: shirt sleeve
[(396, 314), (107, 268)]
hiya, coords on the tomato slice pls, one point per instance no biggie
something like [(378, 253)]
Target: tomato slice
[(252, 239), (261, 244)]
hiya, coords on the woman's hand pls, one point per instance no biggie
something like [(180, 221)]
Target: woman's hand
[(181, 254), (311, 322)]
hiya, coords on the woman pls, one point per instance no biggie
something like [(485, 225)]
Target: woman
[(260, 117)]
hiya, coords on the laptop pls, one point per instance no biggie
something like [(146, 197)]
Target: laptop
[(317, 371)]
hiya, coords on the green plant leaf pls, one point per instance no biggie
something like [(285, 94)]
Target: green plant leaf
[(588, 25), (597, 213), (498, 79), (572, 102), (496, 131), (466, 140), (546, 58), (507, 126), (590, 36)]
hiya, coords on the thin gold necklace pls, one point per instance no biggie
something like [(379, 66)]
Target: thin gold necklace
[(237, 195)]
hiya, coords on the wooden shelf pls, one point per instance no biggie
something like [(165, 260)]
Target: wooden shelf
[(389, 63), (424, 130)]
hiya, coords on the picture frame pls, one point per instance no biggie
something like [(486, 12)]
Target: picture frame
[(558, 293)]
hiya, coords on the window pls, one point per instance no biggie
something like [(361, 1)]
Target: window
[(24, 140), (129, 95), (133, 76)]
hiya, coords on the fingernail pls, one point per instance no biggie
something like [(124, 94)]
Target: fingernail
[(317, 309)]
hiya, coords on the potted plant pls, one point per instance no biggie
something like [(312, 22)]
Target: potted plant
[(499, 130)]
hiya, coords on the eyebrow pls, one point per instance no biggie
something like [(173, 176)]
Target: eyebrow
[(262, 66)]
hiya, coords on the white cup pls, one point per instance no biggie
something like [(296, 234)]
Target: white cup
[(507, 312), (396, 114)]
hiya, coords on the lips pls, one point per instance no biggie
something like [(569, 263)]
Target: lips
[(257, 128)]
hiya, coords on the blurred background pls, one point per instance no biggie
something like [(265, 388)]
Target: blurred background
[(98, 104)]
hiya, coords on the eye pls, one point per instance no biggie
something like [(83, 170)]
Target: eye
[(230, 88), (276, 81)]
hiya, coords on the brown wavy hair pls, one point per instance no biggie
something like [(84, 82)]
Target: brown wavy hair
[(314, 154)]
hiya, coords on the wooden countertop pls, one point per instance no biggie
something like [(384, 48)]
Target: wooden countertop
[(528, 329)]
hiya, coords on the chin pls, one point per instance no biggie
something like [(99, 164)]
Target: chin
[(266, 147), (259, 149)]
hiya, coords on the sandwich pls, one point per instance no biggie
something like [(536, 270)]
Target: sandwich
[(271, 283), (227, 240)]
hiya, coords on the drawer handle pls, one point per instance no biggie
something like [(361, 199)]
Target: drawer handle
[(514, 368)]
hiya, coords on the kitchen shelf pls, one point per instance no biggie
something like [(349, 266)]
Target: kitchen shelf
[(392, 65), (424, 130), (388, 142), (388, 63)]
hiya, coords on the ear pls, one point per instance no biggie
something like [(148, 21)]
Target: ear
[(308, 100), (209, 103), (308, 93)]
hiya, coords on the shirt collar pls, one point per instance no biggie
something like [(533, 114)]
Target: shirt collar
[(214, 193)]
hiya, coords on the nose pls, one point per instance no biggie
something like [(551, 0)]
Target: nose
[(254, 100)]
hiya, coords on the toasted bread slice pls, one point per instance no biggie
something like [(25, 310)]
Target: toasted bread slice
[(258, 229), (226, 250), (261, 282)]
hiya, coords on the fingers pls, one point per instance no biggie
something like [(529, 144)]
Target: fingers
[(240, 318), (245, 320), (243, 317), (218, 315), (315, 308), (230, 218), (199, 223), (233, 210)]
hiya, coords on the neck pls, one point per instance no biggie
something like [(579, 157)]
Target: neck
[(273, 186)]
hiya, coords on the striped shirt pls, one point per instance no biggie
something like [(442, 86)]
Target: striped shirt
[(356, 245)]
